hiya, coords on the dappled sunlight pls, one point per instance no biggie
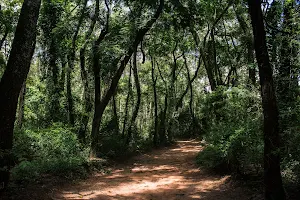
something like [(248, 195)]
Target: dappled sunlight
[(168, 173), (153, 169)]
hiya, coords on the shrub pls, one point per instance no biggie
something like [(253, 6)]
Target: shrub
[(211, 158), (232, 124), (55, 150)]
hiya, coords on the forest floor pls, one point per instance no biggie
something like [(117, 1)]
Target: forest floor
[(163, 174)]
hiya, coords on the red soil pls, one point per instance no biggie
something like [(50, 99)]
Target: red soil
[(164, 174)]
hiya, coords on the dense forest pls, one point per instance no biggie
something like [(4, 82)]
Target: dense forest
[(85, 80)]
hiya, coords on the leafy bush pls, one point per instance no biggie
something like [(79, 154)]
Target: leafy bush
[(181, 124), (291, 151), (211, 157), (55, 150), (232, 124)]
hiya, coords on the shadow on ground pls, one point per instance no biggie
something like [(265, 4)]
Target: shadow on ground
[(165, 174)]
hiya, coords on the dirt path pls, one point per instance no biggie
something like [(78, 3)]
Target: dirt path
[(165, 174)]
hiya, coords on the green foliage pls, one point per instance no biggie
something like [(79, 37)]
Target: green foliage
[(183, 126), (229, 119), (211, 158), (55, 150), (232, 123), (291, 152)]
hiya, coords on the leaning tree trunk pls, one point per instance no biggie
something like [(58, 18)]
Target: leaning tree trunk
[(99, 109), (13, 78), (4, 37), (272, 177)]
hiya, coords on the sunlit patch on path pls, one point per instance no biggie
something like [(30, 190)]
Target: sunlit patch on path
[(164, 174)]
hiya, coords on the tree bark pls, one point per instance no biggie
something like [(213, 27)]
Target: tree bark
[(127, 104), (97, 87), (138, 102), (88, 105), (54, 86), (190, 83), (179, 102), (213, 57), (154, 80), (13, 78), (115, 112), (248, 41), (20, 117), (162, 126), (69, 95), (71, 60), (272, 177)]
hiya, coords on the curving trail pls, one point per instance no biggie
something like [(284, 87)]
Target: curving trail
[(164, 174)]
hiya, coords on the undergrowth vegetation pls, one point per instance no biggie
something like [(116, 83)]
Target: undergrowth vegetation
[(232, 130), (55, 150)]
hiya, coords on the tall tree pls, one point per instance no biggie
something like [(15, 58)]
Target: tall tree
[(88, 105), (154, 82), (13, 78), (51, 13), (138, 102), (71, 60), (99, 109), (246, 38), (272, 177)]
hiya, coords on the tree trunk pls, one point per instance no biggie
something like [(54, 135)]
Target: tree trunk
[(54, 87), (88, 105), (13, 78), (138, 91), (71, 60), (162, 126), (209, 71), (179, 102), (97, 91), (70, 96), (190, 83), (20, 116), (99, 110), (213, 58), (3, 38), (62, 78), (115, 112), (126, 104), (248, 41), (97, 81), (154, 80), (272, 177)]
